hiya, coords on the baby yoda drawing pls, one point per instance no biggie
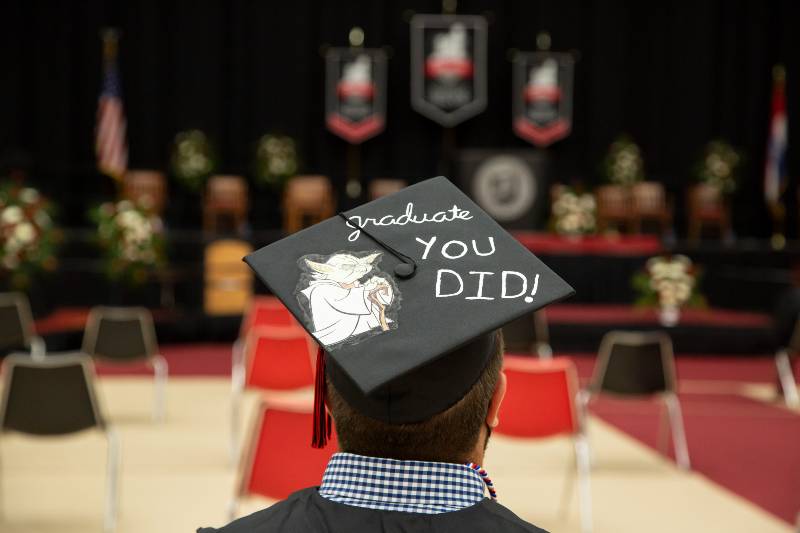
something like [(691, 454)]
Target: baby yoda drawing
[(341, 304)]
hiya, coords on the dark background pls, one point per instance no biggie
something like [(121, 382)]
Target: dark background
[(672, 74)]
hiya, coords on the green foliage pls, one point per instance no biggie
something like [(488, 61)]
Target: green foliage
[(624, 164), (719, 167), (275, 160), (28, 238), (193, 159)]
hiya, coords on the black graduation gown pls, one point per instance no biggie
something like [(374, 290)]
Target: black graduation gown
[(306, 511)]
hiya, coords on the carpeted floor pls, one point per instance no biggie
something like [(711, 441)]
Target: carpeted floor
[(745, 445)]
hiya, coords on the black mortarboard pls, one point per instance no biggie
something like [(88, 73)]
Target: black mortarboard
[(404, 293)]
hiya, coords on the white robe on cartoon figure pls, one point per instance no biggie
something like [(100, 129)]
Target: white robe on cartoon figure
[(342, 307)]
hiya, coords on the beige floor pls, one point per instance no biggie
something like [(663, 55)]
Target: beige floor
[(176, 475)]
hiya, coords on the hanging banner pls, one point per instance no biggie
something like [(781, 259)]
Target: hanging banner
[(448, 67), (355, 93), (542, 93)]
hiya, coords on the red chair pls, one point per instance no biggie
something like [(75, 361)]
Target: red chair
[(273, 358), (542, 401), (279, 459), (266, 311)]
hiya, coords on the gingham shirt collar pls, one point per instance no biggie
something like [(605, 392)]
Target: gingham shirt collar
[(407, 486)]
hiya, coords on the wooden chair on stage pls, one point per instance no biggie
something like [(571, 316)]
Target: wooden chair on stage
[(529, 334), (307, 200), (226, 196), (649, 203), (228, 280), (147, 189), (707, 207), (542, 401), (17, 327), (638, 364), (279, 459), (127, 335), (385, 186), (55, 397), (613, 207)]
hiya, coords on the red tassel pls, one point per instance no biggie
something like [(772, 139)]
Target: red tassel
[(321, 431)]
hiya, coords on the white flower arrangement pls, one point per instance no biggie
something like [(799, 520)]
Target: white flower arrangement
[(669, 283), (574, 214), (27, 236), (131, 238), (624, 163)]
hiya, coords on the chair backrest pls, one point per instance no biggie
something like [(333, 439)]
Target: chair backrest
[(648, 197), (526, 332), (266, 311), (308, 193), (705, 199), (279, 358), (228, 280), (227, 193), (279, 459), (612, 200), (385, 186), (16, 322), (146, 188), (120, 333), (54, 396), (541, 397), (634, 363)]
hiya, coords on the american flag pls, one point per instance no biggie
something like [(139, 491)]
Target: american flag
[(775, 177), (111, 144)]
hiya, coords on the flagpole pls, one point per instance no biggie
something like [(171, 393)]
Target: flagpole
[(777, 209), (353, 187)]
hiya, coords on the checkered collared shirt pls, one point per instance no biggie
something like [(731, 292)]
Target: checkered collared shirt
[(393, 485)]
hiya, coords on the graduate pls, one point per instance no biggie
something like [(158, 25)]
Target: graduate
[(409, 370)]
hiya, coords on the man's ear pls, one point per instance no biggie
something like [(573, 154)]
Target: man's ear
[(492, 416)]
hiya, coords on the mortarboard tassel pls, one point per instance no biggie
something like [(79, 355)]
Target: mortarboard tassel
[(321, 431)]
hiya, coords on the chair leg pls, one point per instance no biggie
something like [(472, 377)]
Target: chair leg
[(582, 462), (237, 386), (160, 374), (582, 405), (233, 509), (786, 377), (38, 348), (663, 429), (677, 430), (543, 350), (112, 482)]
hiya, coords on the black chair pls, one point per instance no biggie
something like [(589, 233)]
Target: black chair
[(16, 326), (787, 352), (127, 335), (55, 396), (642, 364), (529, 334)]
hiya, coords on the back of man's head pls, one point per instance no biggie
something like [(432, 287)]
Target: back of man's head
[(449, 436)]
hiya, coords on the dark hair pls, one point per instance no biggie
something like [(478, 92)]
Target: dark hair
[(449, 436)]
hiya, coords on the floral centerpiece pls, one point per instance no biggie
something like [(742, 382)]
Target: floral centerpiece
[(669, 283), (275, 160), (719, 166), (574, 213), (192, 159), (132, 239), (28, 238), (624, 164)]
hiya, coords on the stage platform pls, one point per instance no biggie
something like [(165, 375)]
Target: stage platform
[(746, 275)]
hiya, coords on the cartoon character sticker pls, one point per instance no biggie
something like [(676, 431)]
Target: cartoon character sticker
[(346, 298)]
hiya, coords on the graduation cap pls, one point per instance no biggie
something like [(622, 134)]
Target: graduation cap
[(404, 294)]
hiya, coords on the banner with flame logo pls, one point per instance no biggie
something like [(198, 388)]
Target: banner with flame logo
[(542, 107), (448, 67), (355, 93)]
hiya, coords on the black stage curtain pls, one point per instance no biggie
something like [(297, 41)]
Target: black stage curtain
[(674, 74)]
